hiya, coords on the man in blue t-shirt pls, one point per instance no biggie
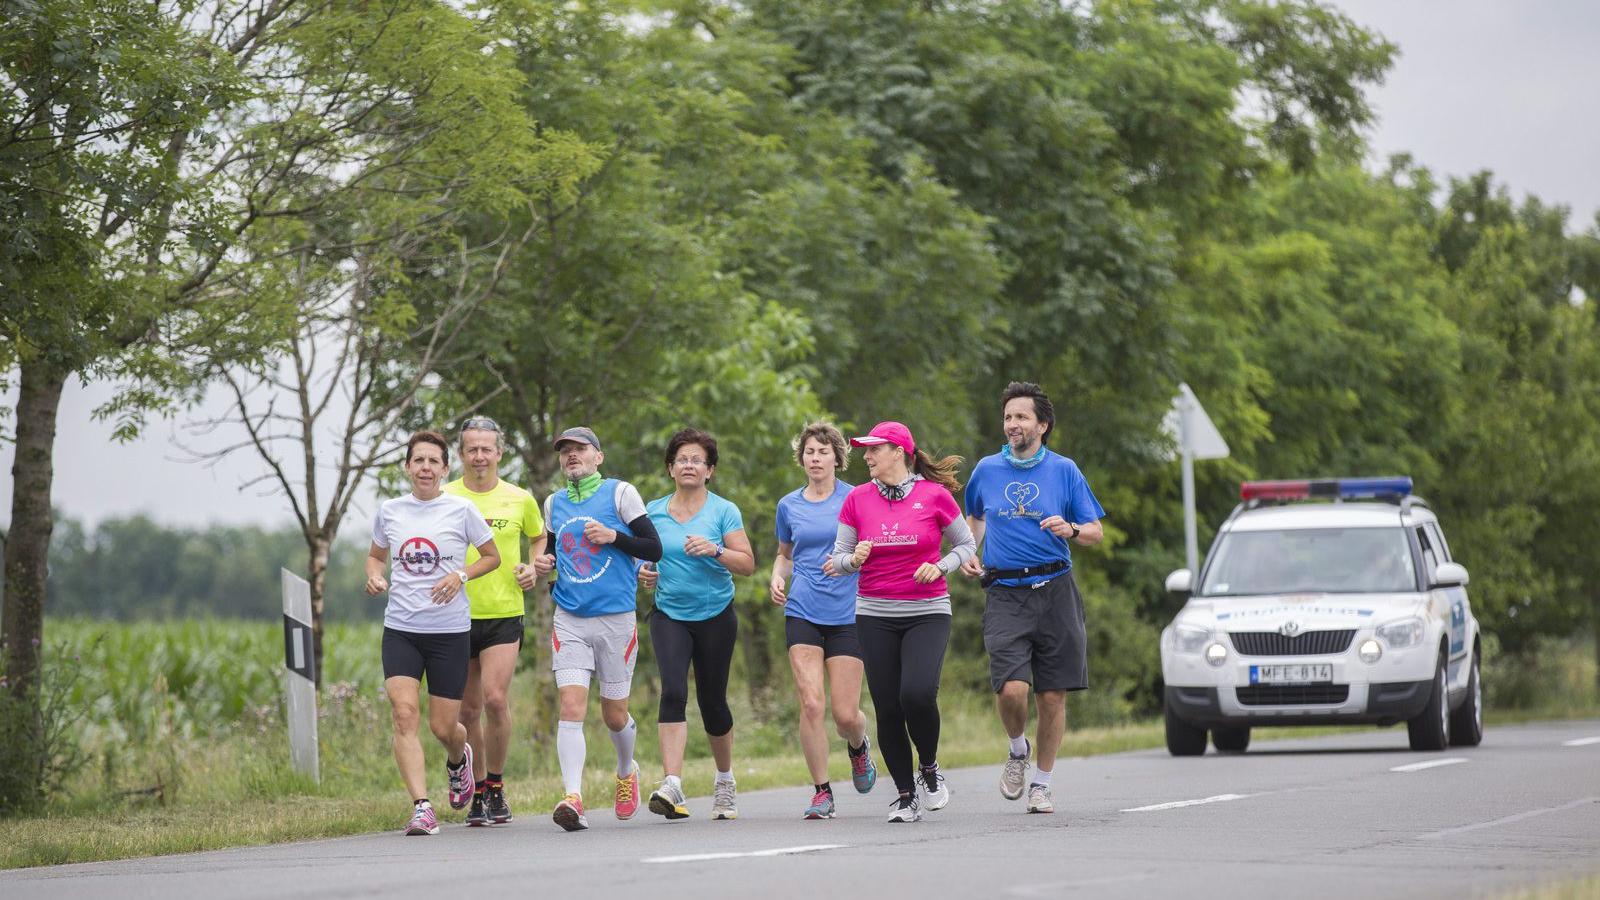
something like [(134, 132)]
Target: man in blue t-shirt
[(1027, 506)]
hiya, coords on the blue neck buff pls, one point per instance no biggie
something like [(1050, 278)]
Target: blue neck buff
[(1030, 462)]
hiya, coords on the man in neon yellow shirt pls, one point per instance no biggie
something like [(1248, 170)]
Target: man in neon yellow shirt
[(512, 514)]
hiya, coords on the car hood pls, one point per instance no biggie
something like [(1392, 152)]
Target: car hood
[(1307, 612)]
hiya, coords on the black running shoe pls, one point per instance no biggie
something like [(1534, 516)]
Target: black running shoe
[(499, 810), (478, 814)]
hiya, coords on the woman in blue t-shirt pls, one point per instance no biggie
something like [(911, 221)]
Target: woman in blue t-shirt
[(703, 547), (819, 614)]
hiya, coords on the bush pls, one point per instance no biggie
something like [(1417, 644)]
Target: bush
[(38, 734)]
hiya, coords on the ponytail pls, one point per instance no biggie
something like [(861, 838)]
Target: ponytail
[(940, 471)]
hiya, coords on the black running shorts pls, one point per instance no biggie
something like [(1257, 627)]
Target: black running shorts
[(1036, 635), (835, 640), (493, 632), (441, 657)]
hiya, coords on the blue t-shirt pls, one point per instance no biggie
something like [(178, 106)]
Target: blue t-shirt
[(1012, 502), (811, 527), (693, 588)]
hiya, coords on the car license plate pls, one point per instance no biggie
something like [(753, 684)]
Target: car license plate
[(1303, 673)]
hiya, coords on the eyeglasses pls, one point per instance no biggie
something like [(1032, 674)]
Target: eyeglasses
[(689, 461), (480, 423)]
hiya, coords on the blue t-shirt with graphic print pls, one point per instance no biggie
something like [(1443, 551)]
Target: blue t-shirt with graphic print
[(1012, 502)]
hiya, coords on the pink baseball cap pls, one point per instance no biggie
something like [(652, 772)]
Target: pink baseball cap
[(888, 433)]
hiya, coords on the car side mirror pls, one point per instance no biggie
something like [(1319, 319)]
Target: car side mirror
[(1181, 581), (1449, 574)]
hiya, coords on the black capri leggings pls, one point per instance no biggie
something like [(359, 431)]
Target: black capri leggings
[(708, 645), (904, 657)]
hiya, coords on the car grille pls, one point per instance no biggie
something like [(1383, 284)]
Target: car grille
[(1292, 694), (1311, 643)]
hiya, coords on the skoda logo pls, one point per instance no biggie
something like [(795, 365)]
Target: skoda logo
[(1289, 628)]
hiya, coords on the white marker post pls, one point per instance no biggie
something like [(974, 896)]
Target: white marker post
[(1197, 438), (300, 685)]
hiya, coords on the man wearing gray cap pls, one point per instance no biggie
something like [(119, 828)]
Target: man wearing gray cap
[(598, 527)]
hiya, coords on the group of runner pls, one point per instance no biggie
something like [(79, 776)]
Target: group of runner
[(860, 573)]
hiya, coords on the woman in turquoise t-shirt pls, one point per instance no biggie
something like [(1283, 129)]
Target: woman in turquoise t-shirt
[(703, 547)]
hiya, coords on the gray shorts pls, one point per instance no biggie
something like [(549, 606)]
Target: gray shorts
[(601, 648), (1037, 635)]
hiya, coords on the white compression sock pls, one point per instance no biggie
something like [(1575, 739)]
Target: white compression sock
[(672, 781), (570, 749), (725, 776), (623, 741), (1019, 746), (1040, 776)]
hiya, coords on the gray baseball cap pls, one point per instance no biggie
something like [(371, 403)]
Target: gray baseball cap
[(581, 434)]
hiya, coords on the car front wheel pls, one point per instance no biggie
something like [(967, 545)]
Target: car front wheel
[(1430, 729), (1183, 739)]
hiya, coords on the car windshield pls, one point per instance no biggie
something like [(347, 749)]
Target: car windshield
[(1311, 560)]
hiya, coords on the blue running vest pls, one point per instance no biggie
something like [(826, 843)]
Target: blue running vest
[(592, 580)]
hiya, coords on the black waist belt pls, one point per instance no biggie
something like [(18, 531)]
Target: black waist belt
[(990, 576)]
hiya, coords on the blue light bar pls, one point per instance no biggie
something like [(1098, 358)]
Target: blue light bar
[(1385, 486)]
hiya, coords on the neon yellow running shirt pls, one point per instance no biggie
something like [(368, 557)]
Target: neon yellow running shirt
[(511, 512)]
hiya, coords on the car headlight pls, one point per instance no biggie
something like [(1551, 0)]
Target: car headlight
[(1404, 633), (1190, 640), (1216, 654), (1370, 651)]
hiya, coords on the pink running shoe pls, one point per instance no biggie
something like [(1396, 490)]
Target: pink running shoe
[(569, 813), (627, 800), (461, 780), (423, 821)]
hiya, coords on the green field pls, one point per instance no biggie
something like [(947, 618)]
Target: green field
[(184, 746)]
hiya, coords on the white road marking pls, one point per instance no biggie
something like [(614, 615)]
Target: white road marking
[(1430, 764), (777, 851), (1509, 819), (1180, 803), (1581, 742)]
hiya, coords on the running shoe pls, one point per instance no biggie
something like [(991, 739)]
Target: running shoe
[(423, 821), (627, 799), (495, 799), (935, 792), (460, 779), (821, 806), (863, 774), (1039, 800), (479, 813), (904, 809), (668, 800), (1014, 777), (569, 813), (724, 803)]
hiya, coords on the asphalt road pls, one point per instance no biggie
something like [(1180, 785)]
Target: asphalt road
[(1347, 816)]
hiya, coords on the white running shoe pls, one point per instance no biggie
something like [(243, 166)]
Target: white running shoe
[(724, 801), (905, 809), (1014, 777), (1039, 799), (935, 793)]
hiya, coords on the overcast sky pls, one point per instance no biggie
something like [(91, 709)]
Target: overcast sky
[(1496, 84)]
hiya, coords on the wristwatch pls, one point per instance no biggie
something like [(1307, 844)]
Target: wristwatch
[(719, 553), (463, 574), (1074, 535)]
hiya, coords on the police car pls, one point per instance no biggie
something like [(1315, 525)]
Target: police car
[(1326, 602)]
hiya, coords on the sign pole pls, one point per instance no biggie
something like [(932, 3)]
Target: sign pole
[(1197, 438), (300, 682)]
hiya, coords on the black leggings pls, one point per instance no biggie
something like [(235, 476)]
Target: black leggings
[(904, 657), (707, 644)]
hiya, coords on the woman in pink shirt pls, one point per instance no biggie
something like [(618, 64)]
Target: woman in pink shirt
[(891, 530)]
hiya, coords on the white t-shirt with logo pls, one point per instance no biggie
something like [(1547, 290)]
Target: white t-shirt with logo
[(427, 540)]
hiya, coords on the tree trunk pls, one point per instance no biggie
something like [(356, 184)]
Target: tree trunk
[(27, 550), (320, 545)]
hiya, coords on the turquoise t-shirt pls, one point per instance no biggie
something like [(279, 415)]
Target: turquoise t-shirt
[(693, 588)]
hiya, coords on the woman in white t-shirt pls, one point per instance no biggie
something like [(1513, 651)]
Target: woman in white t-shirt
[(427, 624)]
